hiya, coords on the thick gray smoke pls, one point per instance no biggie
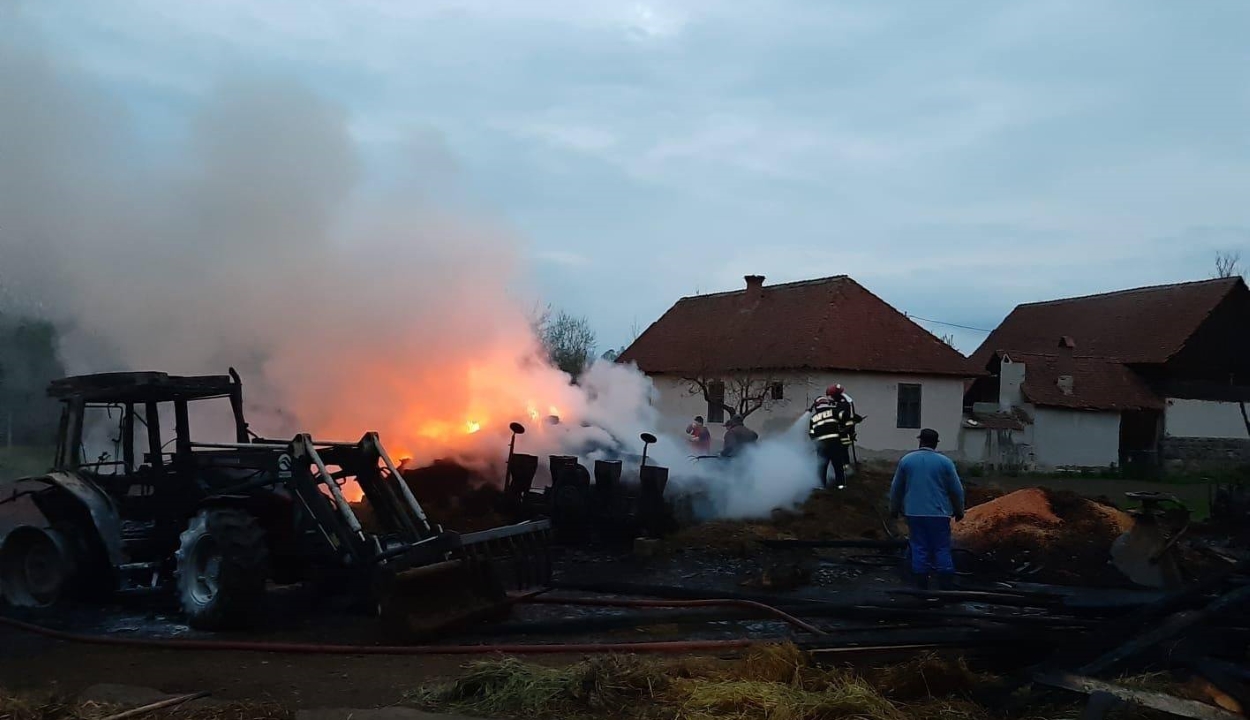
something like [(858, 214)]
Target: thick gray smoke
[(248, 234)]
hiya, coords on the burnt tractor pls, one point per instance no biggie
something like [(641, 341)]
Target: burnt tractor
[(216, 522), (609, 508)]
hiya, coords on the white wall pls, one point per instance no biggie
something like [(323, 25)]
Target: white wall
[(1010, 380), (1075, 438), (875, 395), (1203, 419)]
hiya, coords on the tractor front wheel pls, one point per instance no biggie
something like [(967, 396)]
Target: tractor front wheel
[(222, 566), (33, 568)]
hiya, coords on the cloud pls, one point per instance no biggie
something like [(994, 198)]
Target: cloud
[(1025, 150), (562, 257)]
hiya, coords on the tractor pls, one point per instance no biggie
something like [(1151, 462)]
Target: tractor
[(214, 523)]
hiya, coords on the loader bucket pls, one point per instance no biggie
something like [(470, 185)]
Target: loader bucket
[(1144, 554), (472, 586)]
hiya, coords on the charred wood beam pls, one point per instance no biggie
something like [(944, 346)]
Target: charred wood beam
[(1155, 701), (1173, 627)]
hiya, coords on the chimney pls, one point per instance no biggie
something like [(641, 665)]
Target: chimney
[(755, 287)]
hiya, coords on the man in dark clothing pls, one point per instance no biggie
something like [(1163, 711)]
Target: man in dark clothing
[(832, 428), (737, 436), (927, 489)]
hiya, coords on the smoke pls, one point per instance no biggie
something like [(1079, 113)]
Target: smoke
[(247, 232)]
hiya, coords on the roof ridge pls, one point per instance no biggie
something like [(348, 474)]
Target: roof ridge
[(1128, 291), (1105, 358), (793, 283)]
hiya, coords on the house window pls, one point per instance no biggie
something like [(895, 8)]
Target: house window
[(716, 402), (777, 391), (909, 406)]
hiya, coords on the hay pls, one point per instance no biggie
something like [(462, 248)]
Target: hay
[(776, 682), (851, 698), (929, 675)]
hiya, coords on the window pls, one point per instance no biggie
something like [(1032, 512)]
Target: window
[(777, 391), (909, 406), (716, 402)]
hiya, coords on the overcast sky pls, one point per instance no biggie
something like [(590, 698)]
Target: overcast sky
[(954, 157)]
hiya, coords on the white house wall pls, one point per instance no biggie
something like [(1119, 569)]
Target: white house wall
[(1075, 438), (875, 395), (1203, 419)]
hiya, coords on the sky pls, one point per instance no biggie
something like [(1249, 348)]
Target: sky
[(956, 158)]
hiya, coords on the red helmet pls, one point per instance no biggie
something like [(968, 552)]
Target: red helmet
[(834, 390)]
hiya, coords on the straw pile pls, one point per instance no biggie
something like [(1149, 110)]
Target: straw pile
[(770, 683)]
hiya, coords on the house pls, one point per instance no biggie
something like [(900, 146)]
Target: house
[(1148, 376), (772, 350)]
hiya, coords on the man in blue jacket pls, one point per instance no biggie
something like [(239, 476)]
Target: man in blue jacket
[(927, 490)]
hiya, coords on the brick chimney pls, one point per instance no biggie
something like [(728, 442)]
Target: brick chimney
[(755, 287)]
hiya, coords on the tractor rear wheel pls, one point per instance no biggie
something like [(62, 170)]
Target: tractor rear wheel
[(222, 565)]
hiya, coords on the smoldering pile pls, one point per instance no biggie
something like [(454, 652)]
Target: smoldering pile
[(1051, 536)]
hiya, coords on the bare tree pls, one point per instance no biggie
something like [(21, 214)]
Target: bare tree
[(568, 340), (948, 338), (738, 394), (1228, 264)]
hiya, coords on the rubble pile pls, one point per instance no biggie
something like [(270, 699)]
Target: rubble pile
[(1051, 536)]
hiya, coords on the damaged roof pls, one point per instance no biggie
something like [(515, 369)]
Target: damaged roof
[(831, 323), (1140, 326), (1083, 383)]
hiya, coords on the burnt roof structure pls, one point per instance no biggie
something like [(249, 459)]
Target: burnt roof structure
[(141, 387)]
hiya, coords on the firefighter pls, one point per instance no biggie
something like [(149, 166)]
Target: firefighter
[(832, 428)]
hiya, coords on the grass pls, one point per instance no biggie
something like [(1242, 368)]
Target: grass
[(775, 682)]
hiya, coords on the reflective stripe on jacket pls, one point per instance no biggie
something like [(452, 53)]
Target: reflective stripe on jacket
[(835, 423)]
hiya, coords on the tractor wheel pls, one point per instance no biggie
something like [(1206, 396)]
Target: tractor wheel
[(34, 569), (222, 565)]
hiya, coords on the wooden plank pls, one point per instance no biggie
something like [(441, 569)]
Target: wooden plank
[(1175, 625), (1179, 707)]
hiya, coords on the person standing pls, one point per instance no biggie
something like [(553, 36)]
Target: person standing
[(737, 437), (700, 437), (927, 490), (832, 428)]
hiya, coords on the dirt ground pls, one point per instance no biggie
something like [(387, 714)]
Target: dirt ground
[(28, 663)]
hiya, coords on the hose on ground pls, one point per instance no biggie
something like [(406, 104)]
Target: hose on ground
[(675, 646), (709, 602)]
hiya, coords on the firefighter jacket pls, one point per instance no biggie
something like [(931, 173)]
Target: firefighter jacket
[(836, 422)]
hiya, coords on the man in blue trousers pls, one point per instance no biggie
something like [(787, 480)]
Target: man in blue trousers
[(927, 490)]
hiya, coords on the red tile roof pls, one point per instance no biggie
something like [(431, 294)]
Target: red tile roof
[(1097, 383), (825, 324), (1144, 325)]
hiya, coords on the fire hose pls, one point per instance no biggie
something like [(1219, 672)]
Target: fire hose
[(715, 602), (672, 646), (668, 646)]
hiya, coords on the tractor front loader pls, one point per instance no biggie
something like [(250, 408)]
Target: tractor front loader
[(215, 522)]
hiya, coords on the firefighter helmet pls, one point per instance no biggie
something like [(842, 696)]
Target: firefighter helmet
[(835, 390)]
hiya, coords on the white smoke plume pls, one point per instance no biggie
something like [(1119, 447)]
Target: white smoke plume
[(250, 235)]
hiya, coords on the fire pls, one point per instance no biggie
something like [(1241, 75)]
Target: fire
[(472, 426)]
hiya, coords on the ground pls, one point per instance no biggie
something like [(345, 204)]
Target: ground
[(712, 558)]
